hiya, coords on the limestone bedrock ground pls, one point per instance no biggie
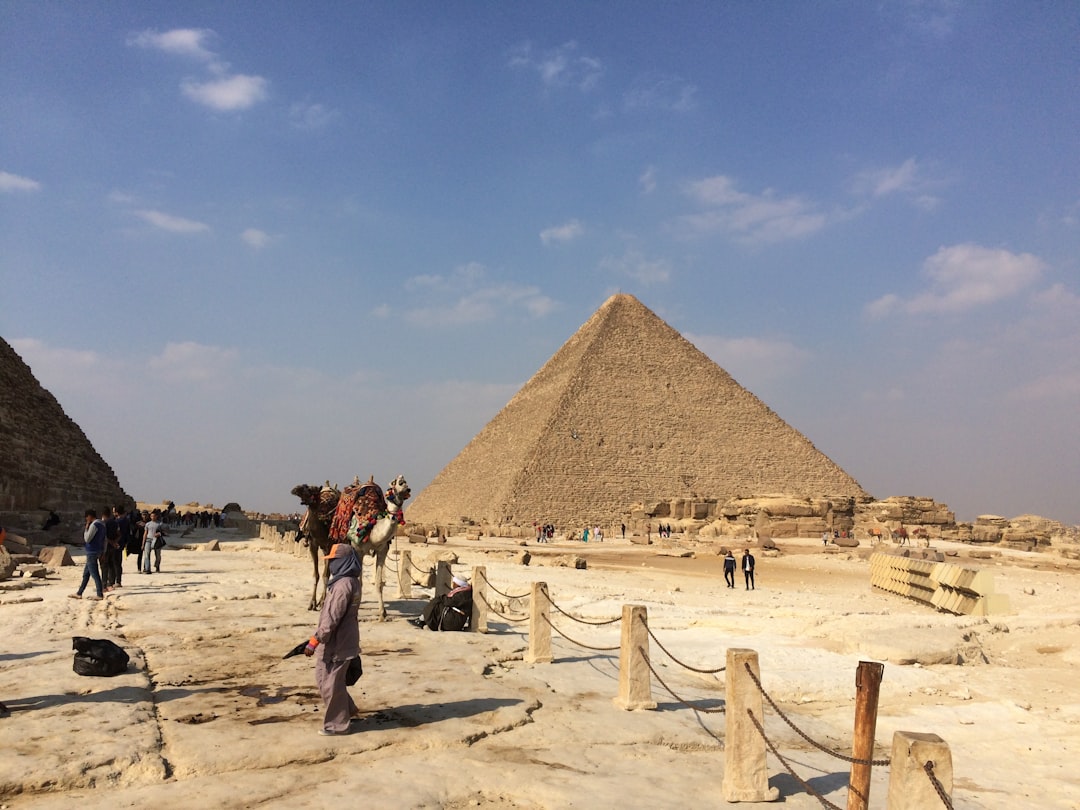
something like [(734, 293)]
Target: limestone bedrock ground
[(209, 714)]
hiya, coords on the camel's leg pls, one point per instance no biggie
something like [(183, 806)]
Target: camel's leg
[(314, 548), (380, 567)]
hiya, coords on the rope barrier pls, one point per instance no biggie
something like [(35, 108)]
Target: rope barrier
[(584, 621), (673, 658), (787, 767), (928, 768), (801, 733), (578, 643), (500, 593), (690, 706), (500, 615)]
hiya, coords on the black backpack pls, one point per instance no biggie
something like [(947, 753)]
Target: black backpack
[(98, 656)]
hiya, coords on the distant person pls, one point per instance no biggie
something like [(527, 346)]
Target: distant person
[(623, 526), (94, 546), (153, 542), (52, 520), (112, 556), (450, 611), (337, 639), (585, 535), (748, 569), (4, 711), (135, 533), (729, 569)]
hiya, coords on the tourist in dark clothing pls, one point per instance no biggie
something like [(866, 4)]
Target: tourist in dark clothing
[(451, 611), (729, 569), (748, 569), (94, 546)]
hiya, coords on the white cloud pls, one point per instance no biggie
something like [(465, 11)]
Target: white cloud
[(14, 182), (188, 42), (464, 298), (237, 92), (660, 93), (753, 218), (635, 265), (560, 67), (190, 362), (566, 232), (255, 238), (303, 115), (964, 277), (909, 180), (173, 224), (647, 180)]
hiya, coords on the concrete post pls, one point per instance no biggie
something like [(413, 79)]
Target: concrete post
[(404, 574), (909, 786), (443, 578), (539, 651), (746, 778), (478, 623), (635, 678)]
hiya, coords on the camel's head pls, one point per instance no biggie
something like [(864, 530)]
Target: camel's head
[(307, 493), (398, 490)]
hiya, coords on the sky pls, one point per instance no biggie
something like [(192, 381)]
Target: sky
[(254, 244)]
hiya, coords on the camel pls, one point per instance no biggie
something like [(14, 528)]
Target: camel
[(360, 515)]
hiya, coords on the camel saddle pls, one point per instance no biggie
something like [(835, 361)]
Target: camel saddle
[(357, 509)]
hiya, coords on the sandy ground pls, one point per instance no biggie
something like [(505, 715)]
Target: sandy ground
[(209, 715)]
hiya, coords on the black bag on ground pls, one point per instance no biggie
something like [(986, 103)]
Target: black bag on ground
[(98, 656), (353, 673)]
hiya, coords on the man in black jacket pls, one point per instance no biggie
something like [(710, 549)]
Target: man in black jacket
[(451, 611), (748, 569)]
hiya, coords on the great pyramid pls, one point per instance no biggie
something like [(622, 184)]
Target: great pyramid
[(626, 411), (48, 462)]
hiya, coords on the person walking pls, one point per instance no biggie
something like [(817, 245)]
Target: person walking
[(748, 569), (153, 541), (94, 546), (337, 639), (729, 569)]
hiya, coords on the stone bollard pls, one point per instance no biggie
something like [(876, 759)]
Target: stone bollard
[(478, 623), (910, 787), (746, 778), (443, 578), (635, 677), (539, 651), (404, 574)]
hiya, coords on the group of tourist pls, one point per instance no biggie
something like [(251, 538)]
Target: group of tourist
[(747, 569), (108, 538)]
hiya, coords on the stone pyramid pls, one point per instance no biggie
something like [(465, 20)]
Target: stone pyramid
[(47, 460), (627, 411)]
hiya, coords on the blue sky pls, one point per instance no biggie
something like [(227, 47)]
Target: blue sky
[(249, 245)]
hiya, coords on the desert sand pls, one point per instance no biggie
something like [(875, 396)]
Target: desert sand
[(210, 715)]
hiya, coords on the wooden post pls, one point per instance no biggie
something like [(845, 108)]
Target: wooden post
[(404, 574), (478, 623), (539, 651), (443, 578), (867, 687), (910, 787), (635, 678), (746, 777)]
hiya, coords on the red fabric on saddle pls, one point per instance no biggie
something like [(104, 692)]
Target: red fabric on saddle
[(364, 501)]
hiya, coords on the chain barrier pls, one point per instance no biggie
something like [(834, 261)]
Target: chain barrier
[(801, 733), (690, 706), (787, 766), (928, 768), (673, 658), (578, 643), (500, 615), (583, 621), (500, 593)]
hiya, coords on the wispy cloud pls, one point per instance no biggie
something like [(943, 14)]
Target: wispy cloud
[(753, 218), (961, 278), (190, 362), (168, 222), (466, 296), (657, 93), (255, 238), (647, 180), (560, 67), (753, 361), (637, 266), (909, 180), (13, 182), (307, 116), (237, 92), (223, 90), (567, 232)]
